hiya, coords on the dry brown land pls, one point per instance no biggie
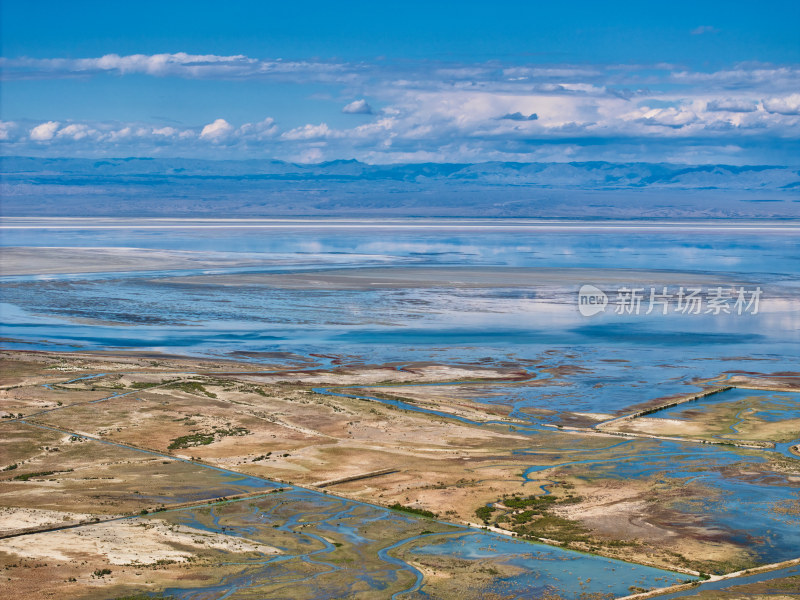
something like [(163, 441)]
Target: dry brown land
[(273, 425), (713, 421), (102, 561)]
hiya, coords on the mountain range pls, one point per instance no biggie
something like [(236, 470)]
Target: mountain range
[(185, 187)]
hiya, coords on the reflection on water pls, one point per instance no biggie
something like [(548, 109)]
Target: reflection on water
[(151, 310), (603, 364)]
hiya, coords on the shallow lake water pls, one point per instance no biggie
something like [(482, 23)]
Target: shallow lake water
[(309, 516), (605, 363)]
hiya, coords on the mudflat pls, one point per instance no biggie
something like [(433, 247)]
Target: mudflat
[(448, 277)]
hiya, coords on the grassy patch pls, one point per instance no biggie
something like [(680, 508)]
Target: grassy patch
[(531, 517), (142, 385), (191, 440), (414, 511), (484, 513), (204, 439), (27, 476), (191, 387)]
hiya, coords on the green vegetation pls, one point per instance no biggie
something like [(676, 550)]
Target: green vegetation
[(558, 528), (231, 432), (110, 386), (204, 439), (191, 440), (191, 387), (252, 389), (484, 513), (530, 517), (10, 467), (26, 476), (538, 503), (414, 511), (101, 572)]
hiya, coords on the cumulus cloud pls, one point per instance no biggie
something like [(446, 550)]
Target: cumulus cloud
[(357, 107), (262, 130), (44, 131), (308, 132), (217, 131), (75, 131), (788, 105), (7, 130), (167, 132), (456, 112)]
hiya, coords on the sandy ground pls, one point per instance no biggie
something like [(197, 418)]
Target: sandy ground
[(713, 421), (657, 426), (14, 518), (787, 382), (625, 510), (34, 368), (377, 375), (127, 542)]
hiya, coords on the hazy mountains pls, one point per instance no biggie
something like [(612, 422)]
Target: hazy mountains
[(182, 187)]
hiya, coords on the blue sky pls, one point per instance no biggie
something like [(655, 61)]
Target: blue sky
[(416, 81)]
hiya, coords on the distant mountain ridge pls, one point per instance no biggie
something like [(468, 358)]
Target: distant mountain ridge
[(347, 188), (562, 175)]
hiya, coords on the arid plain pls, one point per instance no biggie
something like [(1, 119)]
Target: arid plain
[(104, 455)]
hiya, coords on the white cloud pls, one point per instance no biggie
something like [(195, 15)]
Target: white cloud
[(7, 130), (262, 130), (308, 132), (44, 131), (217, 131), (179, 64), (76, 131), (668, 117), (457, 112), (168, 132), (357, 107), (788, 105)]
